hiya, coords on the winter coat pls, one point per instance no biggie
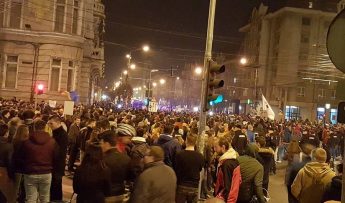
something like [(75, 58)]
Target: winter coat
[(137, 153), (73, 133), (151, 187), (267, 159), (119, 165), (6, 150), (310, 139), (228, 177), (252, 175), (170, 146), (61, 138), (333, 190), (92, 189), (38, 153), (239, 142), (311, 181)]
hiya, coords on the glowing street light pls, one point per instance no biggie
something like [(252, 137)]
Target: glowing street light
[(125, 72), (117, 84), (243, 61), (132, 66), (177, 78), (162, 81), (146, 48), (198, 70), (154, 84), (128, 56), (139, 88)]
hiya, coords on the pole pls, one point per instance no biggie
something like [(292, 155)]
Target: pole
[(208, 56), (149, 95), (343, 186)]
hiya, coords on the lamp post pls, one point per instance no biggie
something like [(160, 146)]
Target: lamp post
[(144, 48), (149, 95)]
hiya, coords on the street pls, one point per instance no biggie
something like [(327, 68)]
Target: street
[(277, 189)]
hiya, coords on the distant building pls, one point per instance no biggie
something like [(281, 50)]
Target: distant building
[(57, 43), (288, 48)]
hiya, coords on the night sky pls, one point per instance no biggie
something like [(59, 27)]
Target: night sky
[(174, 29)]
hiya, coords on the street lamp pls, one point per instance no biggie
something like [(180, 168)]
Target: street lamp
[(132, 66), (328, 106), (198, 70), (125, 72), (177, 78), (128, 56), (162, 81), (154, 84), (243, 61), (146, 48)]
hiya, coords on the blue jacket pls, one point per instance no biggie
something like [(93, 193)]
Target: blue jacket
[(170, 146)]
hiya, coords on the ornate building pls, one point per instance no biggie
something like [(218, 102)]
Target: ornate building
[(57, 43)]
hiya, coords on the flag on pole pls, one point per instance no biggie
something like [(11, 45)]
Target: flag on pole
[(267, 108)]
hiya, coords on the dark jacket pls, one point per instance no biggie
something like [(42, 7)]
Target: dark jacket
[(266, 160), (61, 138), (137, 154), (252, 175), (119, 165), (73, 133), (38, 153), (239, 142), (92, 189), (152, 188), (333, 190), (6, 151), (17, 161), (228, 177), (310, 139), (83, 136), (170, 147)]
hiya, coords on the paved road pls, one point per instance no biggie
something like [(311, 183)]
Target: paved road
[(277, 189)]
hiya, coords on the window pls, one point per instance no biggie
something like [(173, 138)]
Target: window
[(75, 17), (292, 113), (306, 21), (70, 76), (2, 9), (301, 91), (321, 93), (16, 13), (55, 75), (11, 71), (334, 94), (59, 16)]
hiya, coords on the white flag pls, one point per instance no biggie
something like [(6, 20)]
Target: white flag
[(266, 107)]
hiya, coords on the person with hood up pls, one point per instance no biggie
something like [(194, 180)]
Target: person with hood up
[(228, 172), (310, 182), (170, 145), (137, 152)]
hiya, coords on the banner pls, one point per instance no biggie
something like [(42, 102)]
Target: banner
[(267, 108), (68, 108)]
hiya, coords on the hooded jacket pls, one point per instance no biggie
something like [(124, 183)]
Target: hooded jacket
[(333, 190), (228, 177), (38, 153), (170, 146), (311, 181)]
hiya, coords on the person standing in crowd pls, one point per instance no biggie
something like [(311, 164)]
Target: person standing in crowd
[(6, 115), (61, 138), (91, 181), (28, 117), (119, 165), (333, 189), (84, 136), (124, 133), (157, 183), (22, 134), (39, 153), (6, 149), (228, 172), (310, 182), (333, 145), (252, 172), (170, 145), (239, 140), (188, 164), (73, 133), (295, 167), (250, 134), (12, 128), (266, 159)]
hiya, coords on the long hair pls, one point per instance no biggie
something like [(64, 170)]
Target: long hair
[(22, 134), (92, 163)]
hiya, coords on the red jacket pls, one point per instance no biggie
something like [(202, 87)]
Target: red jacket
[(228, 177)]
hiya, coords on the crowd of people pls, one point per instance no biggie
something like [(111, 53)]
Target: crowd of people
[(116, 155)]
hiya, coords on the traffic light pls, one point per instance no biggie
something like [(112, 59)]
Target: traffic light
[(40, 88), (212, 83)]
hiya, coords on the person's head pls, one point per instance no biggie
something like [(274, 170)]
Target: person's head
[(107, 140), (6, 113), (222, 145), (319, 155), (93, 155), (3, 129), (28, 114), (91, 123), (293, 147), (191, 140), (167, 128), (103, 125), (340, 168), (15, 121), (154, 154), (22, 133), (54, 122), (39, 125), (77, 120), (261, 141), (125, 132), (251, 150)]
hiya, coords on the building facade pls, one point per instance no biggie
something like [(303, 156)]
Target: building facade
[(57, 43), (287, 48)]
